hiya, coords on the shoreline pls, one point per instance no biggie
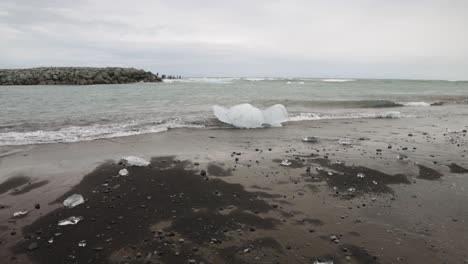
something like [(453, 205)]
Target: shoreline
[(299, 210)]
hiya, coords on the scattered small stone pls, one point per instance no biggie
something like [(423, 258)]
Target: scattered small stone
[(33, 246)]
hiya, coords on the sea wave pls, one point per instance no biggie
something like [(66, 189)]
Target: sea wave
[(338, 80), (318, 116), (87, 133), (221, 80), (335, 103), (416, 104)]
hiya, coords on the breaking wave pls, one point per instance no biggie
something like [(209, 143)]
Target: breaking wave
[(338, 80), (202, 80), (307, 104), (318, 116), (416, 104), (87, 133)]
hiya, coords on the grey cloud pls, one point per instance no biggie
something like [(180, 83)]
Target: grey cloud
[(370, 39)]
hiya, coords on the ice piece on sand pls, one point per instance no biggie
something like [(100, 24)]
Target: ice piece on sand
[(20, 213), (72, 220), (123, 172), (311, 139), (136, 161), (248, 116), (345, 141), (74, 200), (323, 262), (286, 162)]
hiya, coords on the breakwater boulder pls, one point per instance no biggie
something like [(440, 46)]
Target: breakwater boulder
[(75, 76)]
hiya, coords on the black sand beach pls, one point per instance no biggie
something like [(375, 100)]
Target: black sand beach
[(395, 194)]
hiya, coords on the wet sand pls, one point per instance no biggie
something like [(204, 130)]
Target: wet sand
[(396, 194)]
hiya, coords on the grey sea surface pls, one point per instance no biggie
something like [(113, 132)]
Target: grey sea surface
[(49, 114)]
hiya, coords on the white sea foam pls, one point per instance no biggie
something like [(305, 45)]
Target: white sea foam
[(338, 80), (222, 80), (416, 104), (85, 133), (295, 82), (316, 116), (257, 79)]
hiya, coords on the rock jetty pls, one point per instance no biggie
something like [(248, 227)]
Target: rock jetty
[(75, 76)]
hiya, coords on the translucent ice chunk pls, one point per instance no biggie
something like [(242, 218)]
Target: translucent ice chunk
[(323, 262), (72, 220), (74, 200), (286, 162), (248, 116), (311, 139), (20, 213), (136, 161), (123, 172), (275, 115)]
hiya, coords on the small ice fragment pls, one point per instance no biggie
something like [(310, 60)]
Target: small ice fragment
[(351, 189), (330, 173), (323, 262), (375, 183), (345, 141), (361, 175), (72, 220), (51, 240), (319, 168), (286, 162), (246, 250), (311, 139), (74, 200), (82, 243), (136, 161), (123, 172), (20, 213)]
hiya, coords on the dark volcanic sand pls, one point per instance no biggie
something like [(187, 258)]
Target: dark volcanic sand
[(454, 168), (121, 217), (427, 173), (12, 183), (171, 212)]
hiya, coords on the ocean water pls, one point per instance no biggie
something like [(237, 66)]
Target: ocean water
[(49, 114)]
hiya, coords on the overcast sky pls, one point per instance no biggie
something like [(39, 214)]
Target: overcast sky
[(416, 39)]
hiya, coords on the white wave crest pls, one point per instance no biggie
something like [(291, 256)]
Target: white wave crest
[(221, 80), (315, 116), (85, 133), (338, 80), (416, 104)]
